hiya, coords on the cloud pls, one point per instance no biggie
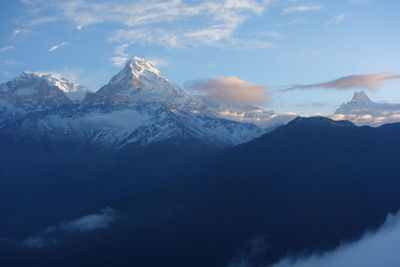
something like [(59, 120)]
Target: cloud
[(369, 117), (39, 242), (307, 105), (120, 56), (171, 23), (158, 61), (51, 49), (7, 48), (336, 19), (230, 90), (274, 35), (364, 2), (87, 223), (374, 249), (43, 20), (293, 22), (20, 32), (251, 251), (296, 9), (369, 82)]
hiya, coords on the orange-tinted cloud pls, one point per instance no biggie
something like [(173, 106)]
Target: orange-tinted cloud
[(230, 90), (369, 82)]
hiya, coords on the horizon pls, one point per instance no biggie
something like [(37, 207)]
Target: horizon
[(294, 50)]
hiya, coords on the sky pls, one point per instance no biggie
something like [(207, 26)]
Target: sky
[(308, 56)]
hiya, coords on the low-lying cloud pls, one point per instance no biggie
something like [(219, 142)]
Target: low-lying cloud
[(369, 82), (230, 90), (86, 223), (372, 119), (378, 249)]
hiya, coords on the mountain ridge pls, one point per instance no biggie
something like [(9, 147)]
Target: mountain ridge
[(138, 105)]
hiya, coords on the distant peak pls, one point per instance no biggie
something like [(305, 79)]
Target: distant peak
[(73, 90), (39, 75), (360, 97), (318, 121)]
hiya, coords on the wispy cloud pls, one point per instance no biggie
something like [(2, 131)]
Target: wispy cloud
[(230, 90), (43, 20), (274, 34), (7, 48), (19, 32), (369, 82), (293, 22), (365, 2), (336, 19), (296, 9), (307, 105), (55, 47), (158, 61), (157, 22), (120, 56), (86, 223)]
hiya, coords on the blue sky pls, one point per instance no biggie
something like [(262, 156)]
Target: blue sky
[(276, 43)]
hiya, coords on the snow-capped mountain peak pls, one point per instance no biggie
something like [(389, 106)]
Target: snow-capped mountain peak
[(359, 102), (135, 70), (140, 75), (29, 92), (139, 66), (73, 90), (360, 97), (138, 80), (361, 110)]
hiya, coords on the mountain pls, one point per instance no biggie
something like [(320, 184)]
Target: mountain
[(27, 93), (138, 106), (32, 92), (361, 110), (72, 90), (306, 187), (120, 125), (139, 81)]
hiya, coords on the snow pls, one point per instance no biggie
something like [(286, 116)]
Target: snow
[(73, 90), (362, 111), (138, 105)]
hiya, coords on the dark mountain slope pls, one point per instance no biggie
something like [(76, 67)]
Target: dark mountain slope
[(305, 187)]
